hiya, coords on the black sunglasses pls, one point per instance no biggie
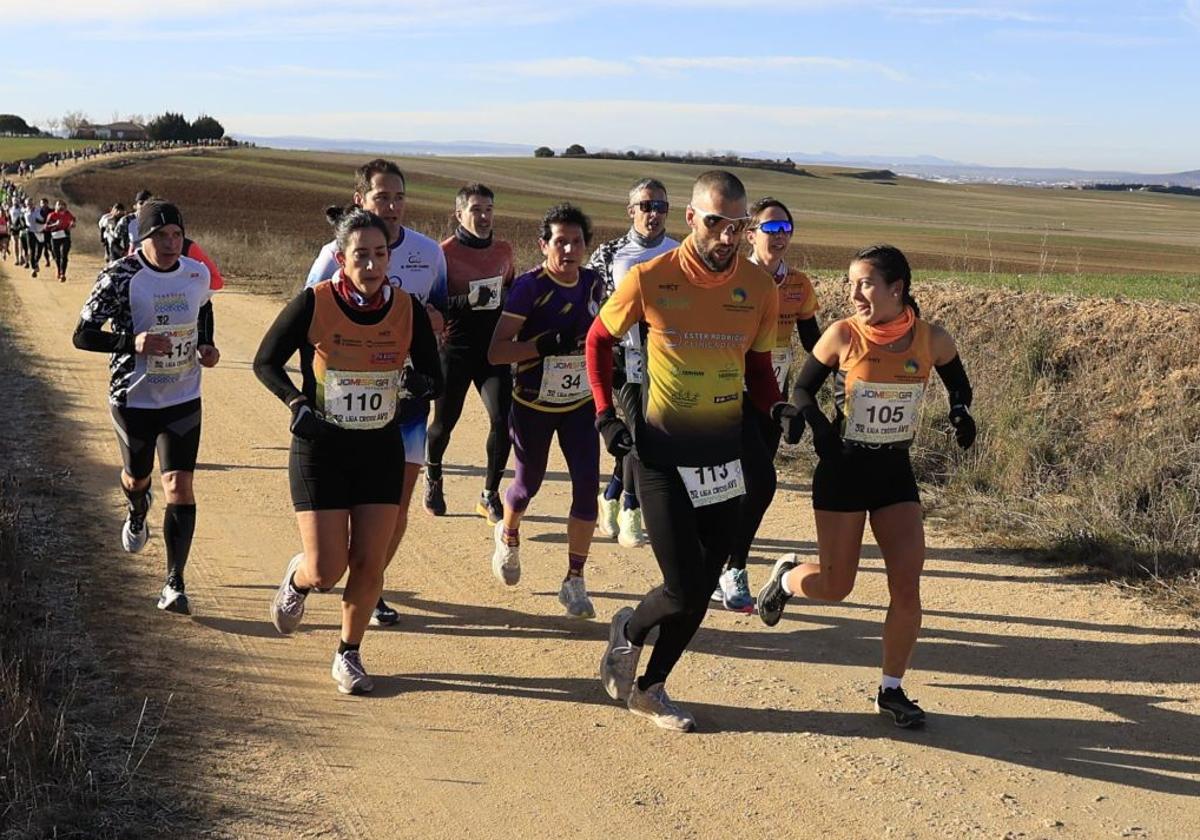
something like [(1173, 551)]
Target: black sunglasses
[(654, 206)]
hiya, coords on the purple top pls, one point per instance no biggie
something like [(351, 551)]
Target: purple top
[(548, 306)]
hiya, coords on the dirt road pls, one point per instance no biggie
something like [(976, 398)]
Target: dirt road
[(1057, 708)]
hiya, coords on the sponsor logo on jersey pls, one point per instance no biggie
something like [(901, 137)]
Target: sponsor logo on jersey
[(724, 398), (176, 302), (384, 358), (738, 295), (911, 366)]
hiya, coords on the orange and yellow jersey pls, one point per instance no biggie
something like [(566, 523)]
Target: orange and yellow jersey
[(700, 325), (797, 302), (878, 391), (356, 367)]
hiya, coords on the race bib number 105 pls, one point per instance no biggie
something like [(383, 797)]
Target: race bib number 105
[(564, 380), (882, 413), (710, 485)]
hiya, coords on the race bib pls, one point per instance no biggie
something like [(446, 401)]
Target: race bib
[(58, 234), (781, 363), (564, 380), (360, 399), (494, 284), (710, 485), (635, 366), (881, 413), (182, 357)]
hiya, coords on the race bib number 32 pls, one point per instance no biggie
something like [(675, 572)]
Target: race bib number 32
[(358, 400), (564, 380), (882, 413), (710, 485)]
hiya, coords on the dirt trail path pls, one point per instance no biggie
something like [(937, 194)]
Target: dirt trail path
[(1058, 709)]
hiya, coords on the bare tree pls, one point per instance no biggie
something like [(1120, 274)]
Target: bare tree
[(139, 119), (53, 124), (72, 121)]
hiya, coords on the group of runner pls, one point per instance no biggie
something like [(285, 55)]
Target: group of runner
[(40, 233), (675, 356)]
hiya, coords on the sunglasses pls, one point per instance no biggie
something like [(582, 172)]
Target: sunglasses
[(733, 227), (654, 206), (774, 226)]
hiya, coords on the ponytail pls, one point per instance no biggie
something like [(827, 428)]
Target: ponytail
[(350, 218)]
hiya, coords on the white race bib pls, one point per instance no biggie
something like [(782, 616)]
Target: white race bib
[(781, 363), (881, 413), (635, 366), (564, 380), (58, 234), (361, 399), (709, 485), (182, 357), (493, 284)]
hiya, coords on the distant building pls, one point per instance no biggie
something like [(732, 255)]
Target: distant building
[(112, 131)]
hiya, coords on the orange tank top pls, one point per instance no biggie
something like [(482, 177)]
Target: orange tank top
[(878, 391), (357, 367)]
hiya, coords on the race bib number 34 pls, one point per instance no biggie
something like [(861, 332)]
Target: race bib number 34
[(564, 380), (358, 400), (882, 413), (710, 485), (182, 357)]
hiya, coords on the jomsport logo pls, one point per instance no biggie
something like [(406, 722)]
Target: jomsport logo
[(738, 295)]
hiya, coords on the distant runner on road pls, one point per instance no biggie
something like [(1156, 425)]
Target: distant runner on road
[(881, 358), (159, 304), (58, 228)]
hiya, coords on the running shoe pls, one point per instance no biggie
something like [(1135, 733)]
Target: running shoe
[(136, 531), (733, 591), (607, 521), (905, 713), (383, 615), (490, 507), (618, 666), (772, 598), (573, 596), (653, 703), (287, 607), (174, 600), (350, 675), (506, 559), (435, 502), (629, 528)]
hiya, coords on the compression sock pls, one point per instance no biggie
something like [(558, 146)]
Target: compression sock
[(433, 471), (179, 524), (346, 646), (890, 682), (575, 563), (613, 490), (139, 501), (629, 501)]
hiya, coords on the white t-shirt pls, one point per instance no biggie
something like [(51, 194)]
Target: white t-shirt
[(417, 265)]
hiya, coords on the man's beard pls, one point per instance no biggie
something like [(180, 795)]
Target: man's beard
[(712, 264)]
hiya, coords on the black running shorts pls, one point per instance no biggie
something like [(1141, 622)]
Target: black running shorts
[(858, 479), (173, 431), (347, 469)]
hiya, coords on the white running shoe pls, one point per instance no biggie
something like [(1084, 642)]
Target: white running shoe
[(287, 607), (573, 595), (350, 675), (174, 600), (135, 532), (609, 512), (506, 559), (629, 524), (653, 703), (618, 666)]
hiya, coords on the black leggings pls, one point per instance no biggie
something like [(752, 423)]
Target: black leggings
[(760, 443), (462, 367), (629, 400), (62, 253), (690, 545)]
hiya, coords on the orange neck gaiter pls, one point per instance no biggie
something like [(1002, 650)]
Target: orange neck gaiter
[(892, 331), (697, 273)]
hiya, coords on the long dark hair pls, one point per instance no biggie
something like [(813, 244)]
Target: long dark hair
[(891, 262), (350, 218)]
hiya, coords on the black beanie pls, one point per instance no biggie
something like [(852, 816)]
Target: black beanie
[(156, 214)]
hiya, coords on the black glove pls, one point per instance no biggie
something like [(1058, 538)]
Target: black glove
[(554, 343), (305, 422), (790, 421), (617, 439), (479, 296), (417, 385), (964, 425)]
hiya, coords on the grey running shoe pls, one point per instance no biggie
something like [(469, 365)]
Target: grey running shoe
[(629, 525), (287, 607), (174, 600), (490, 507), (607, 520), (136, 531), (618, 666), (772, 598), (506, 559), (653, 703), (350, 675), (733, 591), (573, 596)]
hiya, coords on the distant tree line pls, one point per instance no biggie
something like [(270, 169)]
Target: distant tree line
[(1154, 188), (167, 126), (13, 126), (577, 151)]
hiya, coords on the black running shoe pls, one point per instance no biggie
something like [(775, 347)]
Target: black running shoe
[(772, 598), (383, 615), (435, 502), (904, 712), (490, 506)]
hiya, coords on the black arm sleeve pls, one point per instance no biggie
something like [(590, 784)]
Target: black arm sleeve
[(281, 342), (954, 376), (424, 349), (804, 392), (205, 325), (89, 337), (809, 331)]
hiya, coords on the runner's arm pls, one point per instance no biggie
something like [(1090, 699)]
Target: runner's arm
[(215, 281), (761, 382), (599, 354), (102, 304), (424, 351), (281, 342), (809, 331), (205, 326)]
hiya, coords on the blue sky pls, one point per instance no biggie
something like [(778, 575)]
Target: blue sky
[(1068, 83)]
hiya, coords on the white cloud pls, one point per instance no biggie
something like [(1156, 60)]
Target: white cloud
[(558, 67)]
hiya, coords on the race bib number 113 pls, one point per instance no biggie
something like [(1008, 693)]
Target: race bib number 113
[(710, 485)]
